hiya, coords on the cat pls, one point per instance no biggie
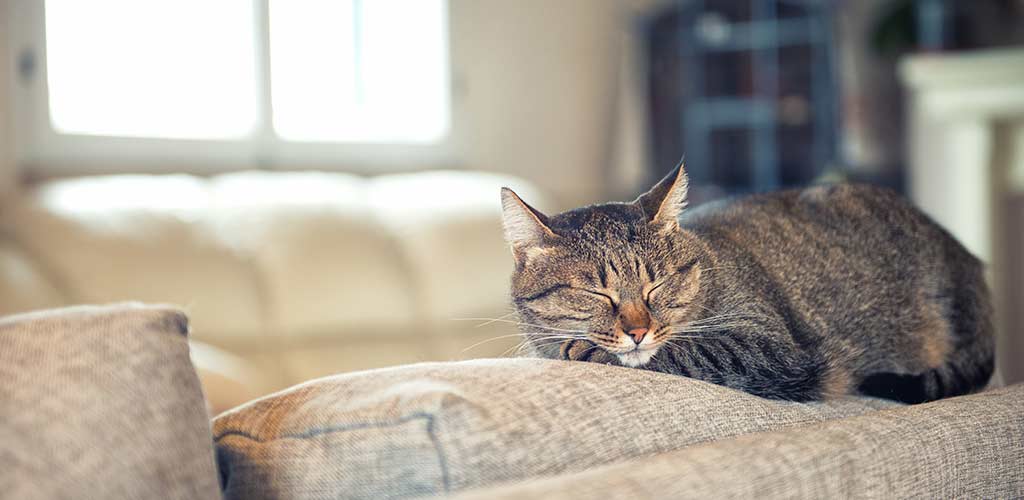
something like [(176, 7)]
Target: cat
[(797, 295)]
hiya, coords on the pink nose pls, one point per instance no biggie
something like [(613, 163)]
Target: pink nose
[(637, 334)]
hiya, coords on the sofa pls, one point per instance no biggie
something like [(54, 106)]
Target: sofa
[(286, 276), (103, 402)]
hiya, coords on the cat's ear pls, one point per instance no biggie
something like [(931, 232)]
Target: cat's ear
[(525, 226), (666, 200)]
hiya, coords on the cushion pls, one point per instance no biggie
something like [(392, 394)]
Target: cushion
[(102, 402), (965, 447), (24, 286), (265, 257), (444, 427)]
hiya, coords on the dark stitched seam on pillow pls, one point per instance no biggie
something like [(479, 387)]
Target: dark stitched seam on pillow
[(442, 461), (441, 458)]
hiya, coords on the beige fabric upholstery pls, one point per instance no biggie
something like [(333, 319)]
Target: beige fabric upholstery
[(966, 447), (102, 402), (23, 284), (228, 380), (444, 427), (299, 274)]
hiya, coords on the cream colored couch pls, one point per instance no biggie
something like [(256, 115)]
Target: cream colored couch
[(286, 276)]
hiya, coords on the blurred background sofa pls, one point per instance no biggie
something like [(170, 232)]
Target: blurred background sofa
[(286, 276), (311, 181)]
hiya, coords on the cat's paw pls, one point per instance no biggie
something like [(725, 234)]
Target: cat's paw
[(578, 350), (585, 350)]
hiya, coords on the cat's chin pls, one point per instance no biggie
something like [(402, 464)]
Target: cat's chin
[(636, 358)]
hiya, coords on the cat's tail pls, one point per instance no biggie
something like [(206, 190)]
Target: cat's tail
[(967, 371), (970, 363)]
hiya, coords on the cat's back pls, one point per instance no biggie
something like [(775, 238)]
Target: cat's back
[(832, 244), (850, 216), (833, 199)]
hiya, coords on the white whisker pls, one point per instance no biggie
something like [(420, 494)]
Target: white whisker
[(493, 320), (499, 337), (520, 324)]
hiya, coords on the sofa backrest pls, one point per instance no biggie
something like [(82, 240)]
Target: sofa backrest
[(271, 262)]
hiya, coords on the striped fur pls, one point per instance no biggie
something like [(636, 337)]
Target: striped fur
[(797, 295)]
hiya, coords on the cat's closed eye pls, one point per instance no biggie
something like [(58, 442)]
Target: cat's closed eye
[(650, 291), (586, 301), (569, 303), (676, 279), (601, 295)]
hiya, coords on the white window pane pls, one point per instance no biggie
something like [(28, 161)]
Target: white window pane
[(312, 64), (359, 70), (151, 68)]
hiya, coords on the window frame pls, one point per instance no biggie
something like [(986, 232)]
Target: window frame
[(42, 151)]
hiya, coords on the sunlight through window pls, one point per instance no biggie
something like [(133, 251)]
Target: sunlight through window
[(344, 71), (359, 70), (152, 68)]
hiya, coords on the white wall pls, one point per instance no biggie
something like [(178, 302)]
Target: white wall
[(7, 167), (536, 81)]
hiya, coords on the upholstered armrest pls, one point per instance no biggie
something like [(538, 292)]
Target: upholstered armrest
[(102, 402), (966, 447), (444, 427)]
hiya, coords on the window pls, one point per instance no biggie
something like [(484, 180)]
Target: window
[(126, 68), (387, 81), (264, 81)]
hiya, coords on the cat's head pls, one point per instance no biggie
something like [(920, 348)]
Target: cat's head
[(624, 276)]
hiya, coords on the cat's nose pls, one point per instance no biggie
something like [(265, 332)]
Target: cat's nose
[(637, 334)]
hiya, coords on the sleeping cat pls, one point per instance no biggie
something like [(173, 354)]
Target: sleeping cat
[(798, 295)]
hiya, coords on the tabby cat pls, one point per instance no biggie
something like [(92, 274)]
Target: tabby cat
[(797, 295)]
